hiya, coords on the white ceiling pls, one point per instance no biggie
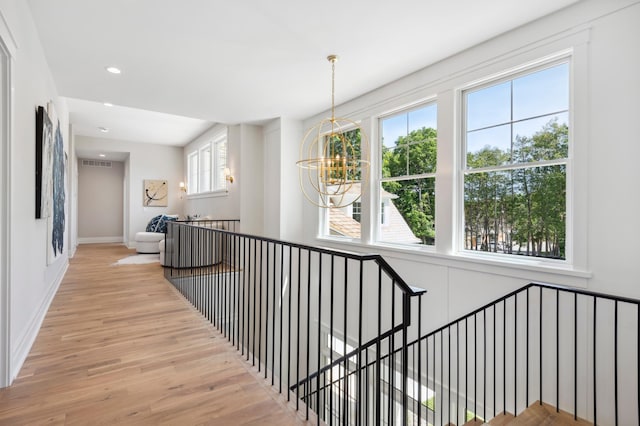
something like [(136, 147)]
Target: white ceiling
[(246, 61)]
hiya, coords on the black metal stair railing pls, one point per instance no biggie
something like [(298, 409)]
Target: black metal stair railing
[(573, 349), (293, 310)]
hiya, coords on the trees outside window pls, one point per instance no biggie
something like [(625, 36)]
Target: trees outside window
[(515, 164), (407, 190)]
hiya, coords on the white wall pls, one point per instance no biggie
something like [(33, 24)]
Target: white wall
[(100, 203), (283, 198), (604, 36), (252, 175), (146, 161), (32, 283)]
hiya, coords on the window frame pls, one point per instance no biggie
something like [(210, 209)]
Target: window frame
[(216, 180), (461, 148), (379, 216)]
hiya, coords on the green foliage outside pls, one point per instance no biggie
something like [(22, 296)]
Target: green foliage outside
[(520, 210), (414, 154)]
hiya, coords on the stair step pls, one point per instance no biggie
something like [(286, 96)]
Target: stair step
[(537, 414), (502, 419)]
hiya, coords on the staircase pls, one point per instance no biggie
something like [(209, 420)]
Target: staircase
[(339, 335), (535, 415)]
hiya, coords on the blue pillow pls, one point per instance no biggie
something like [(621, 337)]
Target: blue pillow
[(159, 223)]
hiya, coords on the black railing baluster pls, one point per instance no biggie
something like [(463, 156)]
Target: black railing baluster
[(526, 353), (266, 314), (466, 366), (515, 353), (290, 287), (484, 360), (319, 351), (504, 356), (273, 318), (458, 372), (419, 381), (330, 339), (595, 345), (298, 329), (308, 321), (379, 348), (475, 367), (557, 351), (540, 347), (359, 359), (615, 360), (575, 356), (281, 295), (255, 291), (392, 368), (441, 379), (448, 375), (345, 339), (260, 285)]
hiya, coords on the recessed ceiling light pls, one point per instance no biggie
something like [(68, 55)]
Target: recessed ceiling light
[(113, 70), (108, 104), (101, 155), (103, 129)]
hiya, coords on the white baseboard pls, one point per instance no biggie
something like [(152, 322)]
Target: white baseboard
[(19, 355), (98, 240)]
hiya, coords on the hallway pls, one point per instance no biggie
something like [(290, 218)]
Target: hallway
[(120, 345)]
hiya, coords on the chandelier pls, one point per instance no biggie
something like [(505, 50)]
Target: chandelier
[(333, 160)]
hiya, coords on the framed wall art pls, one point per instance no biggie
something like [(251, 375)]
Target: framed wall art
[(155, 193)]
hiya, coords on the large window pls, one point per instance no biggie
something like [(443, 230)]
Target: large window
[(408, 163), (516, 139), (206, 167)]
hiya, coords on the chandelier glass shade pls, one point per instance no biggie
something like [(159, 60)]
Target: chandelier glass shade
[(332, 163)]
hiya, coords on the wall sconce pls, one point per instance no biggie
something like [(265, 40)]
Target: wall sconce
[(183, 187), (227, 175)]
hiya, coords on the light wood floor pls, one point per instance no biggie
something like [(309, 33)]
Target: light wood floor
[(120, 345)]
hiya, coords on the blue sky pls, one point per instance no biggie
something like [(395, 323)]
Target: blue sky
[(402, 124), (489, 108)]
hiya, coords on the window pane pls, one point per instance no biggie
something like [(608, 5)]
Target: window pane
[(205, 172), (220, 164), (520, 211), (414, 146), (408, 211), (541, 93), (489, 106), (193, 174), (489, 147), (540, 139)]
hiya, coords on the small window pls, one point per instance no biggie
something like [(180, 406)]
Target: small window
[(407, 186), (220, 163), (205, 169), (192, 183)]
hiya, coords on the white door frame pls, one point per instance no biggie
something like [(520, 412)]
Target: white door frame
[(8, 48)]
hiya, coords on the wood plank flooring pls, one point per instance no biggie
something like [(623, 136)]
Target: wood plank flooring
[(119, 345)]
